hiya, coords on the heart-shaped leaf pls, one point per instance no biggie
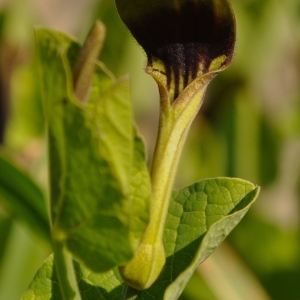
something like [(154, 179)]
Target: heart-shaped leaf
[(200, 217), (91, 149)]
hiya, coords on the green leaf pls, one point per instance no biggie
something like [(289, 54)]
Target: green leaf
[(45, 285), (90, 158), (24, 199), (114, 122), (140, 192), (200, 217), (5, 230), (203, 215)]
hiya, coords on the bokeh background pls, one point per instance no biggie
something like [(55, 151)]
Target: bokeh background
[(248, 127)]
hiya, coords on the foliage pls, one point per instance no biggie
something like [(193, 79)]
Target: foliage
[(102, 231), (252, 96), (209, 210)]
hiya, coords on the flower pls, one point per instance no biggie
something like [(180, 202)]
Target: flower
[(183, 39)]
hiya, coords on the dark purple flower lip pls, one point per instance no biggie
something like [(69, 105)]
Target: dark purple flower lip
[(185, 36)]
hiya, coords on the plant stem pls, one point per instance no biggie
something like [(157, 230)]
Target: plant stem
[(65, 272), (86, 61), (175, 122)]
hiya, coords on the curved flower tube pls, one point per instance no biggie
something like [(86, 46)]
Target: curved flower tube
[(187, 43)]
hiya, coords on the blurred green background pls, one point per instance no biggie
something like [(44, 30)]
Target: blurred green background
[(248, 127)]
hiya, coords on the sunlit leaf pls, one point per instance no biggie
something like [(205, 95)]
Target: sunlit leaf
[(200, 217), (90, 207)]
